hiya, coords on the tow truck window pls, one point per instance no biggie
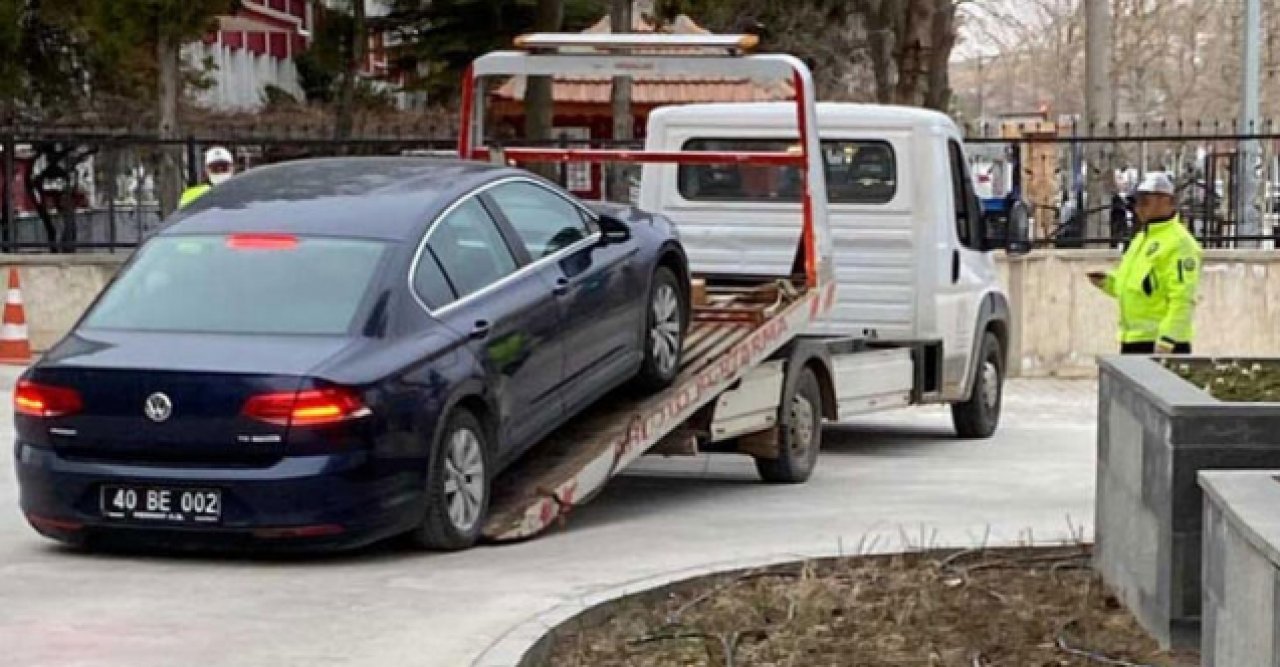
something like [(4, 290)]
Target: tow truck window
[(967, 209), (858, 172)]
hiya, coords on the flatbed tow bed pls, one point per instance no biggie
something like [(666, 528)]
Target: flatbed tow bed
[(736, 328), (574, 463)]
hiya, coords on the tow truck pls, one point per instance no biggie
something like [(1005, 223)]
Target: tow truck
[(769, 356)]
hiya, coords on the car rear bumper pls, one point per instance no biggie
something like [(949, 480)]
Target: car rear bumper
[(332, 501)]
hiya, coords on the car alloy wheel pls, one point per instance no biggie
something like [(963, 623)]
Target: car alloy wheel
[(664, 336), (464, 479)]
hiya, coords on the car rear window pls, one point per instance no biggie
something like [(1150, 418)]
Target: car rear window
[(858, 172), (242, 284)]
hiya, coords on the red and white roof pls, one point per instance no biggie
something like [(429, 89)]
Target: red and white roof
[(278, 28)]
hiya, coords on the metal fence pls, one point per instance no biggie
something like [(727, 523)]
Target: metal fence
[(1049, 171), (98, 191)]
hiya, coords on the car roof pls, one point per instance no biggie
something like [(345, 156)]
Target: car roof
[(388, 198)]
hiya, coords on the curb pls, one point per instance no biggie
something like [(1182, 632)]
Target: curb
[(526, 644)]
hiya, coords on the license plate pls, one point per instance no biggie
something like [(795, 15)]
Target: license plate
[(161, 504)]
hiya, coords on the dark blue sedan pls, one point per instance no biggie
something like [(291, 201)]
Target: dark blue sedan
[(330, 352)]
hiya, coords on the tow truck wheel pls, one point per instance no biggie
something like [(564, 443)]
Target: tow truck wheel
[(665, 323), (457, 487), (978, 417), (800, 437)]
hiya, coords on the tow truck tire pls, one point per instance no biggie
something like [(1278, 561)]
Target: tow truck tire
[(457, 487), (666, 320), (800, 437), (978, 417)]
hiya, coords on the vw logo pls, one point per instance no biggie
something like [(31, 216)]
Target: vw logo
[(158, 407)]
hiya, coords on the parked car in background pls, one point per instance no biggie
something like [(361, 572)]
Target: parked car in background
[(330, 352)]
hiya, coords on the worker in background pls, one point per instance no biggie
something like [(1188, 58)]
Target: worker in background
[(218, 167), (1156, 280)]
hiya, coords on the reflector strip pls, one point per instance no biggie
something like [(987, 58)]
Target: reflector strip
[(48, 523), (318, 530)]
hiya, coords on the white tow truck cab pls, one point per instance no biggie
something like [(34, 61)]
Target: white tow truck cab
[(919, 317)]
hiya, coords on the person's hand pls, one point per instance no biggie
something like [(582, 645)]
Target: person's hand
[(1164, 347)]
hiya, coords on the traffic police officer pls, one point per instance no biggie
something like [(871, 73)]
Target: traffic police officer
[(1156, 280), (218, 167)]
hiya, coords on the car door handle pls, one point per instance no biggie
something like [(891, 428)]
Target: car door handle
[(562, 286), (955, 266), (480, 330)]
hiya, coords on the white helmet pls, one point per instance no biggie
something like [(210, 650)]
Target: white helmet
[(1156, 182), (214, 160)]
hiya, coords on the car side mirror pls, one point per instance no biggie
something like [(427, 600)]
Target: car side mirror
[(613, 230), (1017, 240), (1007, 230)]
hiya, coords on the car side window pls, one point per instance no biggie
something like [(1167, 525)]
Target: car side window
[(470, 251), (429, 282), (963, 198), (545, 222)]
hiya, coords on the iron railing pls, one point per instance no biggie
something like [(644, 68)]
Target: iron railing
[(95, 190), (1202, 157)]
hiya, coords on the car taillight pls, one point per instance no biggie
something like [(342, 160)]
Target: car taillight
[(313, 407), (41, 400)]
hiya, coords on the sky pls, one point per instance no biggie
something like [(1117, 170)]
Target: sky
[(981, 28)]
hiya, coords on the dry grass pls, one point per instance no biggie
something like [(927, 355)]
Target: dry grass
[(1245, 381), (970, 608)]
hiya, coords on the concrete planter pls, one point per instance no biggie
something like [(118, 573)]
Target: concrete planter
[(1155, 433), (1241, 604)]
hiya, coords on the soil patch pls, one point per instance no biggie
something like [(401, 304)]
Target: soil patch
[(1233, 380), (1022, 607)]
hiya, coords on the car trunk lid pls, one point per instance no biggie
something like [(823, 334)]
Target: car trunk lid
[(150, 398)]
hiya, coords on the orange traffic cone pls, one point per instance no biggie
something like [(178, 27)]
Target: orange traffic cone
[(15, 347)]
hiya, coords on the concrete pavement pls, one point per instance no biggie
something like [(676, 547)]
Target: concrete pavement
[(896, 480)]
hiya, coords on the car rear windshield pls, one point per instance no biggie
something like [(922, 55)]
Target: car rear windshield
[(858, 172), (242, 284)]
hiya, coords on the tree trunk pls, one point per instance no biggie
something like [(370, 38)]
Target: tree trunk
[(539, 107), (913, 53), (168, 172), (620, 100), (357, 37), (942, 39), (1099, 111), (880, 18)]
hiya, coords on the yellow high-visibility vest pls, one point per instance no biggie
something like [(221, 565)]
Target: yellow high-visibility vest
[(193, 193), (1156, 284)]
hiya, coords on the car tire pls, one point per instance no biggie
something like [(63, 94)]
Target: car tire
[(799, 438), (666, 319), (458, 486), (978, 417)]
